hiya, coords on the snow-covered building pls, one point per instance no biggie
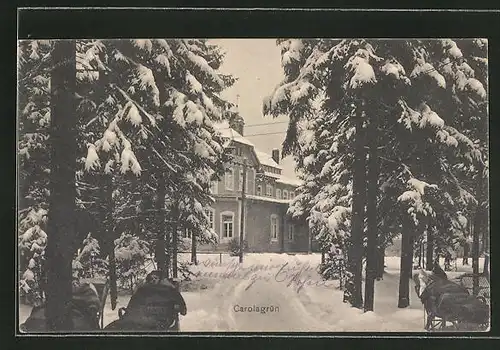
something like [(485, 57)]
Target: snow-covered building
[(267, 227)]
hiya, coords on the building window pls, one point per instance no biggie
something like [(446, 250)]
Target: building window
[(187, 233), (274, 227), (292, 195), (240, 181), (230, 179), (210, 213), (238, 151), (247, 184), (213, 187), (269, 190), (278, 193), (285, 194), (227, 223), (290, 232), (259, 190)]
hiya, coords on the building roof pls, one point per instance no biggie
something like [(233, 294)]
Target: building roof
[(263, 158), (287, 181), (283, 179), (227, 132), (268, 199), (266, 159), (273, 175)]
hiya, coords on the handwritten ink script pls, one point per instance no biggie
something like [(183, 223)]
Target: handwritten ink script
[(295, 276)]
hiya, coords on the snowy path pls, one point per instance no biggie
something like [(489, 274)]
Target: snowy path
[(314, 307)]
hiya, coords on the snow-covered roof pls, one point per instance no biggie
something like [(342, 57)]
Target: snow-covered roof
[(283, 179), (227, 132), (266, 159), (268, 199), (273, 175), (287, 181)]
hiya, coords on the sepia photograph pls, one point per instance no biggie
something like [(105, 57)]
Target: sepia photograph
[(185, 185)]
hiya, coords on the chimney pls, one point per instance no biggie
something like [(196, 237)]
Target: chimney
[(237, 123), (276, 155)]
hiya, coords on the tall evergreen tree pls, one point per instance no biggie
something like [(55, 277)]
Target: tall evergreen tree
[(419, 143), (61, 220)]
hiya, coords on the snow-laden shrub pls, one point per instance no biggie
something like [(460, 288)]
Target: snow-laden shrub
[(333, 265), (183, 270), (130, 254), (234, 246), (87, 263), (32, 241)]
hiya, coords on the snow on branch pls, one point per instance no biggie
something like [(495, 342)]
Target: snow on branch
[(137, 105), (143, 44), (147, 80), (362, 72), (201, 63), (414, 197), (392, 68), (423, 68)]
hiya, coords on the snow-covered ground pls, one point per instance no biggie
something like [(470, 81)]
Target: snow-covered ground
[(292, 294)]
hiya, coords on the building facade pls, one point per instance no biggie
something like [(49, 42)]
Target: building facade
[(266, 225)]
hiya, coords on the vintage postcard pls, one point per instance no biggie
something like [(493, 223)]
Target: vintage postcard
[(253, 185)]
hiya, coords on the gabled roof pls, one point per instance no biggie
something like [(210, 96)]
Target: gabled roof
[(266, 159), (227, 132)]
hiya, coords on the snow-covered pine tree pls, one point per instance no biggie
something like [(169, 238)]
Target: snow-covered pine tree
[(33, 163), (344, 84), (324, 198), (175, 86), (342, 67)]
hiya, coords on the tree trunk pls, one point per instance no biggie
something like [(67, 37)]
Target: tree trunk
[(380, 263), (62, 203), (429, 259), (476, 233), (486, 266), (371, 213), (353, 291), (175, 238), (406, 266), (194, 259), (160, 255), (420, 255), (106, 213), (465, 259)]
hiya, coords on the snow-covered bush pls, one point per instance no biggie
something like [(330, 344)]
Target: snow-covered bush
[(131, 254), (234, 246), (87, 263), (333, 267), (31, 243)]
